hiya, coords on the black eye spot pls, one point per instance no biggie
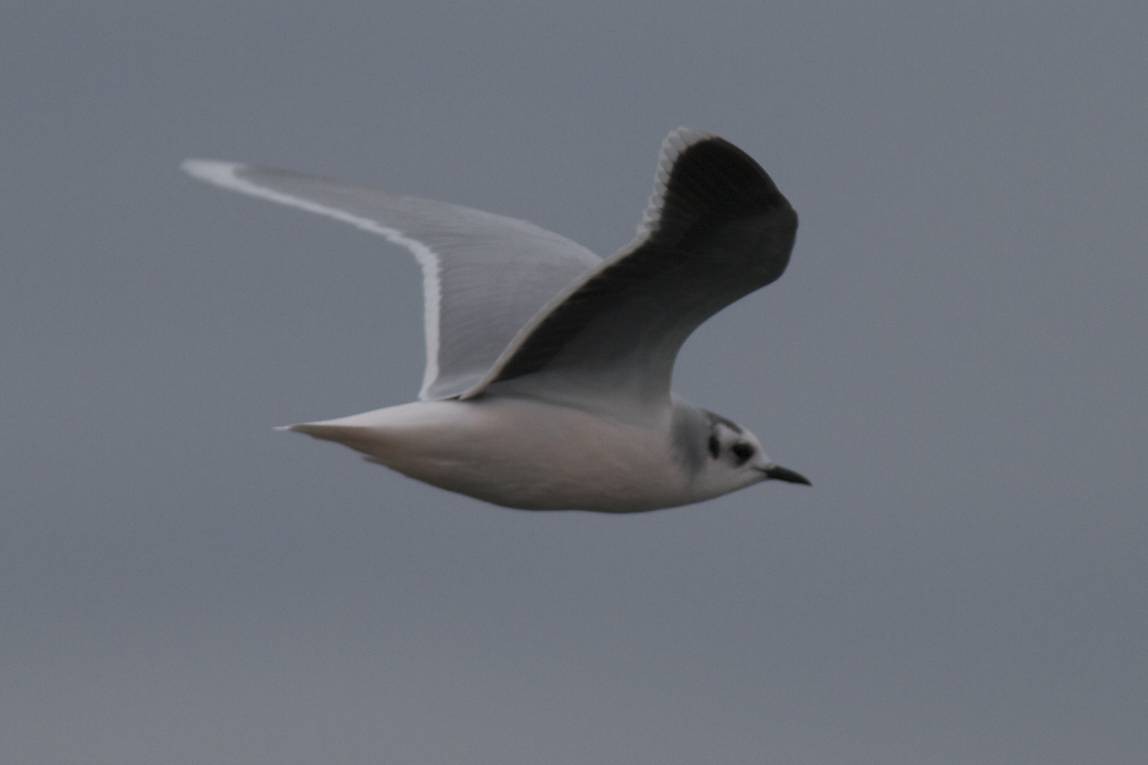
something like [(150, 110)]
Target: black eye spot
[(742, 452), (715, 447)]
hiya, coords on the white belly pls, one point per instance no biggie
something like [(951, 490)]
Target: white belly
[(519, 453)]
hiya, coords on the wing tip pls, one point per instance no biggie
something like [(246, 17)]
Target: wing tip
[(673, 146), (212, 171), (683, 136), (678, 140)]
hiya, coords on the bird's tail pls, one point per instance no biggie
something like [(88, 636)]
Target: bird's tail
[(330, 430)]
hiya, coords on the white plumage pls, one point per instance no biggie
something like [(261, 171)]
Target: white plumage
[(547, 381)]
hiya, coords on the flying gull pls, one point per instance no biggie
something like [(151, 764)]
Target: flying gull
[(548, 368)]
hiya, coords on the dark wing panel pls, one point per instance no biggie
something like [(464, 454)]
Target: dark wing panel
[(717, 228)]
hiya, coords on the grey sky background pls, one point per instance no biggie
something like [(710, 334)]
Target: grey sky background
[(956, 357)]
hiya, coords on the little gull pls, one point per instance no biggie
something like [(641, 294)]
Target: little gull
[(547, 382)]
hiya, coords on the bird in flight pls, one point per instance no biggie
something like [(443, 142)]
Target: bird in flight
[(548, 368)]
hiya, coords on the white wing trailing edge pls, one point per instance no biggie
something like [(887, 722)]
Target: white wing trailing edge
[(484, 275), (677, 141)]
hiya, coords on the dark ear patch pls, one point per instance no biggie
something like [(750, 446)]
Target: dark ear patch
[(714, 446)]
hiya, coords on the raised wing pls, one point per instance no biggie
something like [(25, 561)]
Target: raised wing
[(716, 229), (484, 275)]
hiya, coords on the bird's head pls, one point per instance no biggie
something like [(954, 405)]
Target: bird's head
[(730, 457)]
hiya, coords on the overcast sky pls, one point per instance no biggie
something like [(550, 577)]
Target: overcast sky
[(956, 357)]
